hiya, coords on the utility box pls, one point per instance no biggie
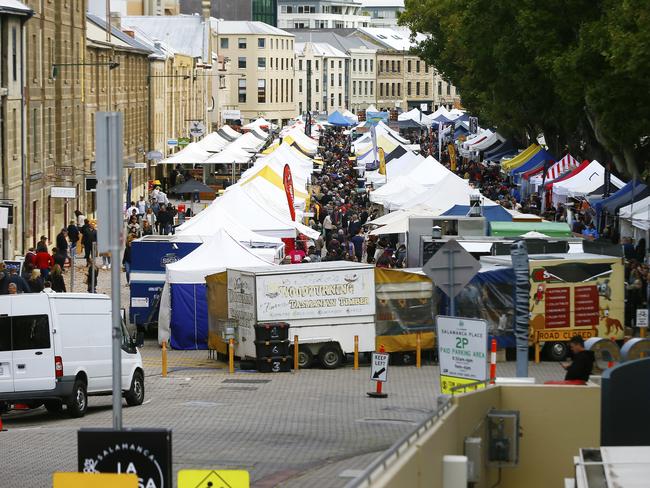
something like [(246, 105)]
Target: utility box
[(503, 438), (474, 459)]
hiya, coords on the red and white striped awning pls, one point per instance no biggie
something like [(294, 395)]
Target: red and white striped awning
[(567, 163)]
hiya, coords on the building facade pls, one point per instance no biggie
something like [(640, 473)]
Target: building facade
[(321, 14), (249, 10), (13, 114), (262, 67), (382, 13), (363, 74)]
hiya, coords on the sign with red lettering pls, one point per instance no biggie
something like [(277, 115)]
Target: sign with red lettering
[(557, 307), (288, 190), (585, 306)]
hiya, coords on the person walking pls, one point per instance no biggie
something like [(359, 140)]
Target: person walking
[(43, 260), (89, 235), (73, 237), (81, 218), (150, 217), (62, 244), (126, 259), (35, 282), (56, 279), (91, 277)]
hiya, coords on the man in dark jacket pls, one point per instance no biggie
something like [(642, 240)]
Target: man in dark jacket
[(73, 237), (89, 235), (20, 282), (62, 242), (582, 363)]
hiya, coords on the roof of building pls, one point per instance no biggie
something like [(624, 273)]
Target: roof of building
[(382, 3), (391, 38), (118, 38), (14, 7), (341, 39), (321, 49), (159, 49), (245, 28), (184, 33)]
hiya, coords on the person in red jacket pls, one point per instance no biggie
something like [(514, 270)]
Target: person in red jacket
[(43, 261)]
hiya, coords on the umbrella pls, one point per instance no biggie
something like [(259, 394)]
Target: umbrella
[(191, 186)]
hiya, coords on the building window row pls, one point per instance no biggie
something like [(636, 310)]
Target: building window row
[(242, 43)]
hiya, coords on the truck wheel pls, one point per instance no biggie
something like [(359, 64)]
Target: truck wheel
[(330, 356), (305, 357), (556, 351), (135, 395), (53, 406), (78, 401)]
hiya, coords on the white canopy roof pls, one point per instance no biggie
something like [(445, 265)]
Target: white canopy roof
[(371, 108), (349, 115), (248, 142), (260, 123), (230, 155), (193, 153), (394, 168), (416, 115), (213, 142), (220, 252), (231, 132), (585, 182)]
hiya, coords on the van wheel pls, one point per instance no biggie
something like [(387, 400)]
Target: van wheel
[(135, 396), (557, 351), (330, 356), (78, 401), (53, 406), (305, 357)]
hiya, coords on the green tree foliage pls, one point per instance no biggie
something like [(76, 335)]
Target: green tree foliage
[(578, 71)]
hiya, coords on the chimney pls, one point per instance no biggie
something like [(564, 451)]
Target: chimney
[(116, 20), (205, 9)]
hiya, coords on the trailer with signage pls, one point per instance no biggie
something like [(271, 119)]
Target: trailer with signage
[(572, 294), (325, 304)]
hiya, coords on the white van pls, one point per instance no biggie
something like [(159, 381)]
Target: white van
[(56, 349)]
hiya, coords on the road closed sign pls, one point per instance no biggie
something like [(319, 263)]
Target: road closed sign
[(379, 370), (462, 352)]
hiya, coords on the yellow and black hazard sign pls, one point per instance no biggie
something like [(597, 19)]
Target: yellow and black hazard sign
[(449, 382), (212, 478)]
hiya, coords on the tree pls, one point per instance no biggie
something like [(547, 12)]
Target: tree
[(576, 71)]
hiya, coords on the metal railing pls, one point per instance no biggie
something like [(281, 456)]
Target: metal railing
[(393, 453)]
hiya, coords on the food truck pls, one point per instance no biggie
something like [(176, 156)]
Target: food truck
[(325, 304)]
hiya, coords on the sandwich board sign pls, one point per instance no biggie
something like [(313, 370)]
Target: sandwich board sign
[(462, 352), (379, 369)]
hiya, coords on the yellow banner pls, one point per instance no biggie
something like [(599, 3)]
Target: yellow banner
[(564, 334), (212, 478), (452, 156), (449, 382), (94, 480), (382, 161)]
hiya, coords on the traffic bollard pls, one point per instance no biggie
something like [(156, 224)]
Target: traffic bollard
[(418, 350), (295, 353), (643, 332), (231, 355), (356, 352), (493, 361), (164, 359)]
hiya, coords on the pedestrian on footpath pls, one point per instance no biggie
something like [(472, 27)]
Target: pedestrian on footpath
[(81, 218), (43, 260), (89, 235), (126, 258), (56, 279), (73, 237), (62, 242), (35, 282)]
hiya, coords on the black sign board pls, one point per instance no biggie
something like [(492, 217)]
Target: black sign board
[(90, 183), (145, 452)]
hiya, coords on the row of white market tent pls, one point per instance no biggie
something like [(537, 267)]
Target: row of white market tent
[(243, 227)]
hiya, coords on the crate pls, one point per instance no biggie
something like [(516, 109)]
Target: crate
[(274, 364), (271, 348), (272, 331)]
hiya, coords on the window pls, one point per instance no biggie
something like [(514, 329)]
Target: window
[(399, 89), (289, 9), (354, 65), (300, 65), (242, 63), (35, 133), (426, 68), (340, 101), (354, 87), (224, 43), (340, 79), (317, 106), (332, 79), (317, 65), (299, 107), (392, 65), (408, 89), (30, 332), (317, 84), (426, 88), (417, 88), (365, 87), (340, 64), (381, 65), (371, 65), (332, 100), (417, 66), (399, 68), (261, 43), (282, 64), (365, 65), (381, 89), (448, 88), (261, 63), (242, 91), (408, 66), (261, 91), (300, 86), (392, 89), (241, 42), (282, 91), (291, 91), (440, 88), (271, 62), (371, 87), (14, 54), (332, 64)]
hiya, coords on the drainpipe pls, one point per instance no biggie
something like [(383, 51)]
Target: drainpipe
[(23, 125)]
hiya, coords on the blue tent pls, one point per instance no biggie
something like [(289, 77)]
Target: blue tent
[(441, 118), (492, 213), (338, 119), (631, 192), (537, 161)]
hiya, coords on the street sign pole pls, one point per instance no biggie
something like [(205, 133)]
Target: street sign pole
[(108, 136), (452, 277)]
